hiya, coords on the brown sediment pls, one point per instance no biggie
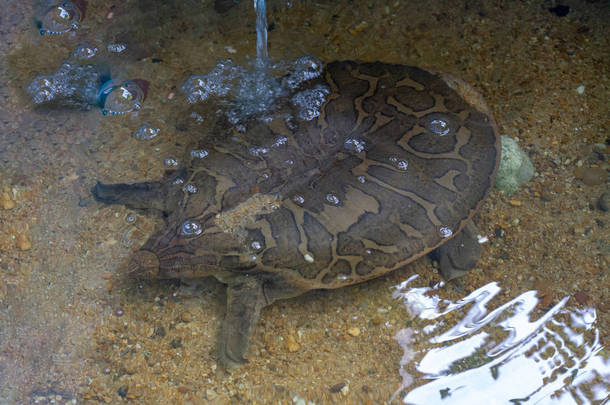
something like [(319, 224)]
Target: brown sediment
[(551, 236)]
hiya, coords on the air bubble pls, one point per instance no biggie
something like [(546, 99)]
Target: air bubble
[(146, 132), (84, 52), (280, 141), (354, 144), (197, 117), (177, 181), (191, 228), (256, 245), (116, 48), (401, 164), (190, 188), (445, 232), (199, 153), (361, 179), (439, 127), (298, 199), (263, 177), (308, 114), (258, 150), (60, 18), (120, 97), (332, 199), (170, 162)]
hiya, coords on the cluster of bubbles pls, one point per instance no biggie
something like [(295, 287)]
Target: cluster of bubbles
[(400, 164), (199, 153), (85, 51), (59, 18), (170, 162), (77, 85), (332, 199), (254, 92), (146, 132), (71, 85), (191, 227), (80, 86), (310, 101), (355, 144)]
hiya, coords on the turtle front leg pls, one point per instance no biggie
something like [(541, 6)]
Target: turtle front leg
[(147, 195), (460, 254), (245, 299)]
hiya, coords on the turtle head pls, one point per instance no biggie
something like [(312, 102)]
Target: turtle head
[(143, 264)]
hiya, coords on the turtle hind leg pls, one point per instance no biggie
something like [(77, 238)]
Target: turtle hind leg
[(460, 254), (245, 299), (147, 195)]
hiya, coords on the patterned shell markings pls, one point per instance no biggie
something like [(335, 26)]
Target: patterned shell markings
[(396, 163)]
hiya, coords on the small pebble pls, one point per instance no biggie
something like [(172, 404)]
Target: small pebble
[(376, 320), (354, 331), (6, 201), (186, 317), (581, 297), (514, 203), (580, 89), (291, 344), (578, 230), (337, 387), (604, 201), (210, 394), (23, 243)]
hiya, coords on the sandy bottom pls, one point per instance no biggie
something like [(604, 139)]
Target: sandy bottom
[(71, 333)]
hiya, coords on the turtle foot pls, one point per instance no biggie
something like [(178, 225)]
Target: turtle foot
[(460, 254), (245, 299)]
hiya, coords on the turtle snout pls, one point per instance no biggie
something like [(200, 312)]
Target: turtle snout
[(144, 264)]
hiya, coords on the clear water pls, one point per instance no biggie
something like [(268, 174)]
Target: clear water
[(262, 55), (508, 354), (74, 112)]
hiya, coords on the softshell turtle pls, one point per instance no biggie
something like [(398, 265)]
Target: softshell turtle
[(394, 166)]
